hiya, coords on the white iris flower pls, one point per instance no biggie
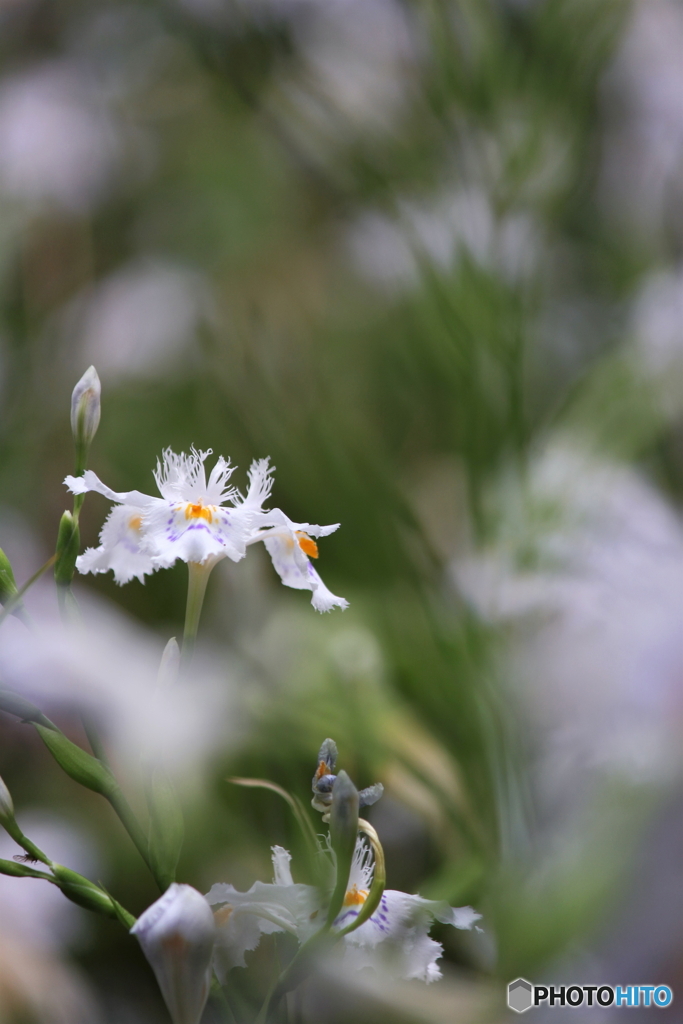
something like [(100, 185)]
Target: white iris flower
[(395, 938), (201, 520)]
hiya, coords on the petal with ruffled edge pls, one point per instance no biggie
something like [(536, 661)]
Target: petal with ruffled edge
[(194, 532), (182, 477), (287, 544), (397, 932), (120, 547), (260, 485), (243, 917)]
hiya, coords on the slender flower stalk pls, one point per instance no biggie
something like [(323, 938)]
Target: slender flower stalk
[(198, 577)]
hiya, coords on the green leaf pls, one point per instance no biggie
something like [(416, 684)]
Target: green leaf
[(166, 826)]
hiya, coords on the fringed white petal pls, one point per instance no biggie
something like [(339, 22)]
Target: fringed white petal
[(282, 872), (264, 909), (296, 571), (171, 534), (120, 547), (260, 484), (182, 477)]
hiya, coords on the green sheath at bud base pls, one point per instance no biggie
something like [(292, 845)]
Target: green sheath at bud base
[(68, 545)]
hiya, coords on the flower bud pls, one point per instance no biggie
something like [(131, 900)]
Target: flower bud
[(82, 891), (177, 934), (6, 804), (85, 409), (68, 544), (343, 835)]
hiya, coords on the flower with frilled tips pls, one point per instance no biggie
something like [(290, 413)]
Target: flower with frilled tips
[(188, 522), (395, 938), (201, 521), (177, 935), (381, 928)]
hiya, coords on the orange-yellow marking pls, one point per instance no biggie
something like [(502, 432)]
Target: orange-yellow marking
[(322, 770), (199, 511), (174, 944), (135, 522), (307, 544), (222, 915), (355, 896)]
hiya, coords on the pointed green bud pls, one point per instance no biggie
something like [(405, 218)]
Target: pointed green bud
[(166, 826), (343, 835), (6, 803), (68, 544), (8, 586), (76, 762), (85, 410), (82, 891), (20, 870)]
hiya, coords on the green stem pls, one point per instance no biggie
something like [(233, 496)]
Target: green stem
[(220, 1000), (12, 604), (20, 839), (198, 577)]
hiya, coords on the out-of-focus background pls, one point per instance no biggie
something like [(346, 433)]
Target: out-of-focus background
[(426, 255)]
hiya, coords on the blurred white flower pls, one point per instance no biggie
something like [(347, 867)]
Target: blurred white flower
[(657, 325), (56, 144), (34, 911), (440, 230), (141, 319), (643, 100), (394, 939), (108, 670), (177, 935), (588, 559), (359, 55)]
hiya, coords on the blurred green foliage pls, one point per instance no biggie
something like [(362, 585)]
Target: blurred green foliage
[(387, 404)]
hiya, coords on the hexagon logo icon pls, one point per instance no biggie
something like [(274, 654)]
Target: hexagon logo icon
[(520, 995)]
